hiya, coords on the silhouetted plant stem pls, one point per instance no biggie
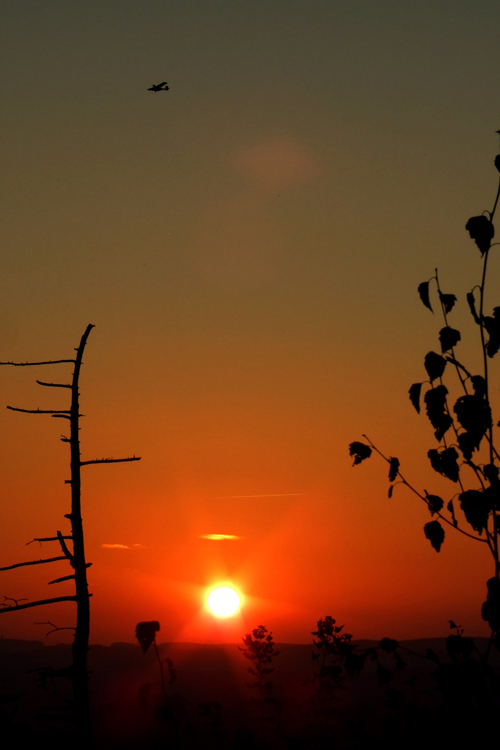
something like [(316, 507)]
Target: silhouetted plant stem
[(422, 497)]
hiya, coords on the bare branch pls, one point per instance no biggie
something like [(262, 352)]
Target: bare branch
[(65, 548), (10, 599), (60, 416), (54, 385), (39, 603), (54, 627), (32, 364), (47, 539), (40, 411), (60, 580), (33, 562), (109, 460)]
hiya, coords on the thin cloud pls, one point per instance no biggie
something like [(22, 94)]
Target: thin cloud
[(219, 537), (122, 546)]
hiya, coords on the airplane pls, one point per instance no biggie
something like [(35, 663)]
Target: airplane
[(158, 87)]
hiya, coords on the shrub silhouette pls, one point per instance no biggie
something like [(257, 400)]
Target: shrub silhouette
[(260, 649), (463, 429)]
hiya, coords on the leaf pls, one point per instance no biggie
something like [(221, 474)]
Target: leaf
[(445, 463), (448, 301), (492, 325), (490, 610), (391, 488), (435, 534), (388, 644), (497, 162), (434, 502), (479, 385), (491, 472), (434, 364), (435, 401), (360, 451), (393, 469), (145, 632), (453, 625), (481, 231), (476, 508), (415, 395), (423, 290), (448, 338), (383, 674), (430, 654), (472, 306), (474, 415)]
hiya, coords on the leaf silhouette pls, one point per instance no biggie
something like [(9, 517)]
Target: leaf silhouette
[(479, 385), (435, 534), (476, 508), (481, 231), (448, 301), (391, 490), (435, 401), (474, 415), (490, 610), (445, 462), (360, 451), (472, 305), (497, 162), (423, 290), (491, 473), (448, 338), (415, 395), (492, 325), (434, 502), (434, 364), (430, 654), (393, 469), (145, 632)]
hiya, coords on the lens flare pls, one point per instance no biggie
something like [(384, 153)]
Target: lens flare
[(223, 601)]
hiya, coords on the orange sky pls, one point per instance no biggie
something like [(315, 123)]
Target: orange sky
[(248, 246)]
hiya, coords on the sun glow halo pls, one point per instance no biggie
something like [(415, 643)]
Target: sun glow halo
[(223, 601)]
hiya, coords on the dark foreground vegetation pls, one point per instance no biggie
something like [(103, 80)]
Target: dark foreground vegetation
[(368, 695)]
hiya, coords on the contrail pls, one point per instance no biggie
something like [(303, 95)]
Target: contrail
[(279, 494)]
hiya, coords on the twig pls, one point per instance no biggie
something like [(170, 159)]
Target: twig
[(109, 460), (40, 411), (33, 562), (417, 493), (32, 364), (54, 627), (47, 539), (39, 603)]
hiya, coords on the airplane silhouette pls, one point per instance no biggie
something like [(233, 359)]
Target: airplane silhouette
[(158, 87)]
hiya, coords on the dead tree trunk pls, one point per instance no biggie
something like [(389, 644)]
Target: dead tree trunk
[(77, 672)]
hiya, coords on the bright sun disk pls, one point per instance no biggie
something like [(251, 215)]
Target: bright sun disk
[(223, 601)]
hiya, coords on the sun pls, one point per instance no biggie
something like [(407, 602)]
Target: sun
[(223, 601)]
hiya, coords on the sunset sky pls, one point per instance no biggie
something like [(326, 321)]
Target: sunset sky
[(249, 246)]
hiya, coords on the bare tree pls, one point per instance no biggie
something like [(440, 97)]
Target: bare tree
[(77, 672)]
